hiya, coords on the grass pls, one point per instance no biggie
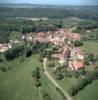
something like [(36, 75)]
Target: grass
[(70, 21), (65, 83), (91, 91), (91, 47), (17, 83), (88, 93)]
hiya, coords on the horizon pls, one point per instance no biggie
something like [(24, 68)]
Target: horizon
[(53, 2)]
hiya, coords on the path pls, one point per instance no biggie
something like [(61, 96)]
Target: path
[(53, 81)]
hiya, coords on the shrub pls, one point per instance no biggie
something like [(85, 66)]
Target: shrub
[(46, 96), (78, 43), (51, 64), (61, 93), (37, 83), (14, 52), (90, 77), (59, 77), (3, 69), (36, 73)]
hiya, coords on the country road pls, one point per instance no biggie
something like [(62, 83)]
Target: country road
[(53, 81)]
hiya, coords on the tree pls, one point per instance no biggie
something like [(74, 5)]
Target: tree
[(51, 64), (14, 35), (1, 58), (37, 83), (14, 52), (59, 76), (3, 68), (46, 96), (28, 51), (91, 57), (78, 43), (36, 74)]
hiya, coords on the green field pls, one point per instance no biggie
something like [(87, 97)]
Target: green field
[(91, 47), (91, 91), (71, 21), (88, 93), (17, 83)]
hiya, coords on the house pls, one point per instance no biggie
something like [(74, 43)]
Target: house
[(72, 36), (66, 52), (57, 56), (76, 36), (4, 47), (77, 52), (40, 39), (78, 65), (41, 34), (56, 41), (29, 38), (64, 55)]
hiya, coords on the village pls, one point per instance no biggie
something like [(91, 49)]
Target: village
[(63, 40), (48, 50), (74, 56)]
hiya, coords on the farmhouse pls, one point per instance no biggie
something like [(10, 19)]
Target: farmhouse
[(4, 47), (78, 65)]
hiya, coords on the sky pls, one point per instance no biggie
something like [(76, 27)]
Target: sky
[(54, 2)]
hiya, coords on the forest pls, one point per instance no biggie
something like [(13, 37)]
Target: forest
[(9, 21), (88, 12)]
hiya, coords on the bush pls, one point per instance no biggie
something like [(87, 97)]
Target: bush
[(59, 77), (14, 52), (37, 83), (3, 69), (36, 74), (90, 77), (1, 57), (28, 53), (46, 96), (78, 43), (61, 93), (51, 64)]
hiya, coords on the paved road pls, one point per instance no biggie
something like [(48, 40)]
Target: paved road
[(53, 81)]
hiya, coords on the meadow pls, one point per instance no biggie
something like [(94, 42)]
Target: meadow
[(17, 83)]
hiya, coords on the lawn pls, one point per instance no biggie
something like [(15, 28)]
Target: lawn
[(91, 91), (17, 83), (91, 47), (65, 83), (88, 93), (71, 21)]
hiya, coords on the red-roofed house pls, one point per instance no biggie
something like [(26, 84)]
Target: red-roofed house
[(78, 53), (78, 65), (64, 55)]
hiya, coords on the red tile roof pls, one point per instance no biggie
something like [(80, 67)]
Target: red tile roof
[(78, 65), (79, 50)]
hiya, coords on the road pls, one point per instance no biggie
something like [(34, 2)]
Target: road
[(53, 81)]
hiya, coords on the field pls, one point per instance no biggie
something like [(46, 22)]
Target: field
[(91, 47), (66, 83), (71, 21), (88, 93), (17, 83), (91, 91)]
